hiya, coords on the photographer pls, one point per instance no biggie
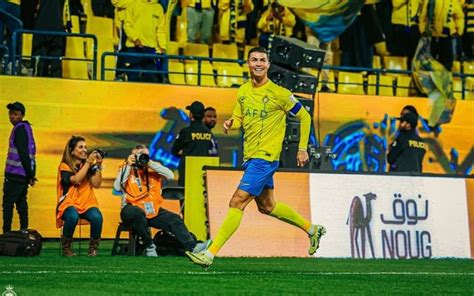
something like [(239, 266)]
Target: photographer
[(78, 175), (140, 180)]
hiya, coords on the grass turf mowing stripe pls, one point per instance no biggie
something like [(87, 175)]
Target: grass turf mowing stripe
[(235, 272)]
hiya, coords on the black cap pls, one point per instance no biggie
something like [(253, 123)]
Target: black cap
[(410, 118), (16, 106), (196, 108)]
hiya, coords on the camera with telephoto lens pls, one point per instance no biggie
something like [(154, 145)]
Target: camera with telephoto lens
[(141, 159), (101, 152)]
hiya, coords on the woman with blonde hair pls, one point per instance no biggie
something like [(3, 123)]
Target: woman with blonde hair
[(78, 174)]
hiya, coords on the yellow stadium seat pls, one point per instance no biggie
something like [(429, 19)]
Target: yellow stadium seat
[(377, 62), (403, 84), (27, 45), (75, 24), (385, 85), (331, 83), (103, 29), (176, 72), (181, 29), (468, 67), (469, 91), (456, 67), (100, 26), (75, 69), (395, 63), (381, 48), (457, 88), (224, 51), (207, 74), (196, 49), (350, 83), (172, 48), (228, 76)]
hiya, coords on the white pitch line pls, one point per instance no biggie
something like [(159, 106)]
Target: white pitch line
[(211, 272)]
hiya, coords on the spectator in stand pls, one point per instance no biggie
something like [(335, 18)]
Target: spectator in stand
[(276, 20), (252, 18), (145, 25), (406, 32), (120, 37), (468, 36), (49, 17), (200, 20), (447, 23), (357, 42), (12, 7), (233, 18)]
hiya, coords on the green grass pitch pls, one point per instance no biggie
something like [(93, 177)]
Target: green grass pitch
[(51, 274)]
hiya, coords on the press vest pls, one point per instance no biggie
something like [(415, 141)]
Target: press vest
[(144, 192), (13, 165)]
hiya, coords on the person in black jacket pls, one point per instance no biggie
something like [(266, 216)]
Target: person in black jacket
[(194, 140), (406, 153), (20, 168)]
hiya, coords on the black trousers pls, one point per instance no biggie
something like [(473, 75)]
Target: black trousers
[(406, 40), (443, 51), (14, 193), (49, 46), (135, 217)]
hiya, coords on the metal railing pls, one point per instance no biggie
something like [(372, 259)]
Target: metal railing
[(381, 71), (165, 57), (17, 41)]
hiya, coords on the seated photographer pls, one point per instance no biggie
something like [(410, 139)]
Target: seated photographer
[(140, 179), (78, 175)]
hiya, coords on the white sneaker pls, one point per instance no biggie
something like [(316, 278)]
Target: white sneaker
[(151, 251), (201, 247)]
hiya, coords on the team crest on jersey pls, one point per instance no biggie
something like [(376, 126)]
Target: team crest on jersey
[(265, 99), (242, 99)]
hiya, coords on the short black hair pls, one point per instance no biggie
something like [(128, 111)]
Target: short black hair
[(258, 49), (209, 109), (411, 109)]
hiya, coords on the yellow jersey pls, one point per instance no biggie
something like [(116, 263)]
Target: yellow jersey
[(261, 112)]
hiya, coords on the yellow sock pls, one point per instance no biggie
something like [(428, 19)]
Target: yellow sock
[(228, 227), (283, 212)]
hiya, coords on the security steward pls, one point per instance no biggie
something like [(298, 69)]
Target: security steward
[(194, 140), (406, 153)]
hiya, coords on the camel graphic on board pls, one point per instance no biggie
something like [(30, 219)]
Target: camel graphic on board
[(359, 225)]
